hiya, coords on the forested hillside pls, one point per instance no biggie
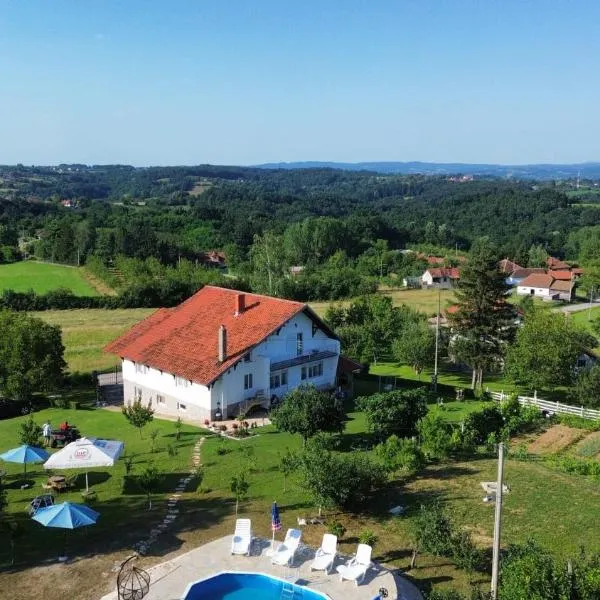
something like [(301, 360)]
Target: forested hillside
[(344, 227)]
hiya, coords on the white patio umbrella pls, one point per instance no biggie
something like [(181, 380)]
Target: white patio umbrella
[(86, 453)]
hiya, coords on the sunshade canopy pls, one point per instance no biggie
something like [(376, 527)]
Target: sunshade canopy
[(25, 454), (66, 516), (86, 453)]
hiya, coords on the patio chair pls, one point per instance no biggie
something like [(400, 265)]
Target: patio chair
[(325, 555), (284, 555), (242, 537), (356, 568), (40, 502), (71, 480)]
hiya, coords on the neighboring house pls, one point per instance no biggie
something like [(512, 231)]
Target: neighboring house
[(441, 277), (544, 286), (587, 359), (296, 270), (519, 275), (555, 264), (213, 259), (508, 266), (223, 351)]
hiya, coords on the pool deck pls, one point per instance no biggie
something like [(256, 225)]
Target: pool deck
[(169, 580)]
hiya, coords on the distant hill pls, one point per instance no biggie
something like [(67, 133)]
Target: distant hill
[(590, 170)]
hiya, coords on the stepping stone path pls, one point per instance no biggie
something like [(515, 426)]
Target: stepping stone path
[(142, 546)]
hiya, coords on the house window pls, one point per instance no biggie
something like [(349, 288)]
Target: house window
[(248, 357), (142, 369), (299, 344), (275, 381), (160, 399), (248, 381), (283, 377), (182, 407), (181, 382), (315, 370), (137, 393), (303, 373)]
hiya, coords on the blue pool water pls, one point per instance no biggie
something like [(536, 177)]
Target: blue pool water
[(247, 586)]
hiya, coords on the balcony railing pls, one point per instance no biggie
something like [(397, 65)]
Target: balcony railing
[(303, 359)]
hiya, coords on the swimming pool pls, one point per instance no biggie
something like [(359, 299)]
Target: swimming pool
[(246, 586)]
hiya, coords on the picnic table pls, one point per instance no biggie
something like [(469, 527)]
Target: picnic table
[(57, 482)]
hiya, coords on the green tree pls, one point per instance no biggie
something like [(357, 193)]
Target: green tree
[(433, 530), (269, 265), (530, 572), (308, 411), (289, 462), (339, 480), (400, 455), (137, 414), (587, 387), (484, 322), (415, 346), (394, 413), (31, 355), (436, 436), (368, 326), (537, 256), (31, 432), (239, 488), (148, 481), (545, 350)]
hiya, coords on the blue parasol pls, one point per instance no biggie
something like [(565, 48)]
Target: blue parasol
[(66, 516), (25, 454)]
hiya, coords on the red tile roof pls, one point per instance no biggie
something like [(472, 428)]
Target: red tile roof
[(184, 340), (561, 286), (508, 266), (451, 272), (555, 263), (562, 275), (537, 280)]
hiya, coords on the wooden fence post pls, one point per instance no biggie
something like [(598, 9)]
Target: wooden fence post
[(582, 412)]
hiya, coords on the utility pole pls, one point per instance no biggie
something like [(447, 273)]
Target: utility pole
[(497, 522), (437, 342), (590, 305)]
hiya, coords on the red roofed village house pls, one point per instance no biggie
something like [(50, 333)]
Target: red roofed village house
[(443, 277), (222, 351)]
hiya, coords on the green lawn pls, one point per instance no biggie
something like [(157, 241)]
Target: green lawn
[(554, 508), (462, 379), (122, 507), (583, 318), (87, 331), (43, 277)]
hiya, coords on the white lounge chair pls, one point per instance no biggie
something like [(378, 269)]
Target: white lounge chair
[(325, 554), (356, 568), (242, 537), (284, 555)]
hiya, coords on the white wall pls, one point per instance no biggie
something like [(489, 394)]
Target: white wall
[(538, 292), (201, 401), (426, 278), (195, 397)]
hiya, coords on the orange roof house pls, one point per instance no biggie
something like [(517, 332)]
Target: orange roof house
[(224, 347)]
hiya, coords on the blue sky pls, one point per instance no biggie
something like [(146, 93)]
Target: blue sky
[(244, 82)]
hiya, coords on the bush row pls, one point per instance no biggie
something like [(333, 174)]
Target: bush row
[(138, 295)]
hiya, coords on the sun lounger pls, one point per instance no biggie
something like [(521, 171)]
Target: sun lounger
[(242, 537), (356, 568), (284, 555), (325, 555)]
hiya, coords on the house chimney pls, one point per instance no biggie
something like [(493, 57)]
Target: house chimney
[(222, 343), (240, 304)]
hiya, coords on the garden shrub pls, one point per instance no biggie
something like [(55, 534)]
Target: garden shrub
[(400, 455), (367, 536)]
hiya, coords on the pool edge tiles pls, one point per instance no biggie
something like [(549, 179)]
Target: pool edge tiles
[(232, 581)]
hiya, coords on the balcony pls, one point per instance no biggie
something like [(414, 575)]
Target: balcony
[(303, 359)]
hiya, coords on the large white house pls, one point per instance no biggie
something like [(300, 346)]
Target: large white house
[(221, 351)]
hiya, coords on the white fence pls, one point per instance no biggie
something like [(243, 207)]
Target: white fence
[(554, 407)]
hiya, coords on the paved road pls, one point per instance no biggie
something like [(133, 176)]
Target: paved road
[(570, 308)]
